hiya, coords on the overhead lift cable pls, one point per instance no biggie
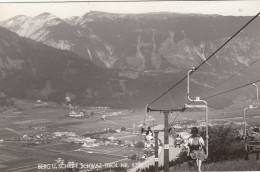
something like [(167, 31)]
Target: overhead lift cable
[(233, 89), (196, 68), (166, 112), (237, 73)]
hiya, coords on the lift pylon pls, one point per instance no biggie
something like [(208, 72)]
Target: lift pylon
[(166, 132)]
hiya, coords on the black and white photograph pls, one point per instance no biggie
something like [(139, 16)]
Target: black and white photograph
[(129, 86)]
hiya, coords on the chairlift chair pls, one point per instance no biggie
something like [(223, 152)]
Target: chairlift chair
[(204, 106), (147, 122), (251, 145)]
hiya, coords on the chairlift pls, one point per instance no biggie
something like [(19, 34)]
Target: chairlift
[(146, 131), (204, 106), (251, 145), (147, 122)]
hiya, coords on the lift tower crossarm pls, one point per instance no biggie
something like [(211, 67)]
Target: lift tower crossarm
[(148, 109)]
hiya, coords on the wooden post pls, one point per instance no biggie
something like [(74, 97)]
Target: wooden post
[(156, 160), (166, 141)]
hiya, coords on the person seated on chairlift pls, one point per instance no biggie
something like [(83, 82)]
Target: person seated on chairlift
[(177, 140), (254, 135), (170, 129), (178, 137), (149, 134), (195, 146)]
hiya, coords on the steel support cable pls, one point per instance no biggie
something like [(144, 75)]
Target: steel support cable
[(232, 76), (238, 72), (233, 89), (205, 60), (175, 118), (227, 41)]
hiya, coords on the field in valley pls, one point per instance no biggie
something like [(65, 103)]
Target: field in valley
[(16, 157)]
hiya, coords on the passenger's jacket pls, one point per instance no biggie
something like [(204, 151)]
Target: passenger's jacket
[(196, 143)]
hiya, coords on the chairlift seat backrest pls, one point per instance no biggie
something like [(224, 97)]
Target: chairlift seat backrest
[(253, 146), (254, 143)]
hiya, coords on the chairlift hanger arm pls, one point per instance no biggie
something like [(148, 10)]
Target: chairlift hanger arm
[(248, 108), (188, 83), (256, 92), (188, 88), (244, 116)]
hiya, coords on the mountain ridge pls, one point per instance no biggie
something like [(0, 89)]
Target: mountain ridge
[(97, 38), (33, 70), (140, 48)]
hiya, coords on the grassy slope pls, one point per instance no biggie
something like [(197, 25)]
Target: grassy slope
[(234, 165)]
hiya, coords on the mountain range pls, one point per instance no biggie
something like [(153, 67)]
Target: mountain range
[(135, 56), (36, 71)]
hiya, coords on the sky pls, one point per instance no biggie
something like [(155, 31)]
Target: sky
[(68, 9)]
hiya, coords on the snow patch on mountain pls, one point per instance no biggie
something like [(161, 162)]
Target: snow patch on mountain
[(155, 58), (40, 36), (14, 22), (82, 21), (9, 63), (32, 27), (109, 48), (72, 20), (94, 37), (79, 33), (183, 53), (61, 44), (107, 59), (91, 58), (139, 54)]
